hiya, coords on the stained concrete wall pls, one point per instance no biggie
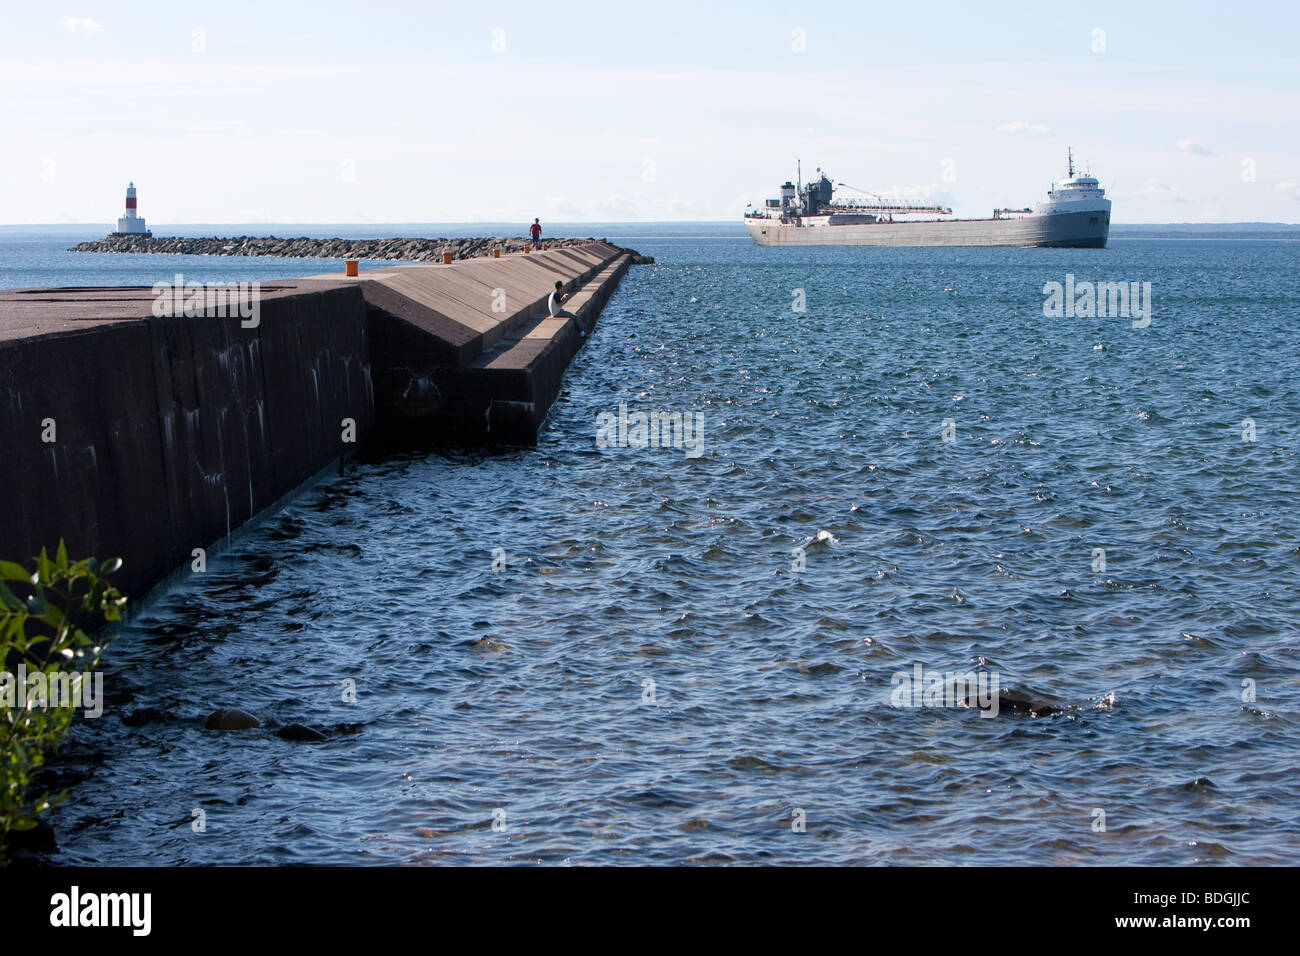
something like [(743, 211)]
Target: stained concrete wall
[(169, 433)]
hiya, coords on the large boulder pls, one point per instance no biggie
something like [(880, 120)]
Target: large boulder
[(231, 719)]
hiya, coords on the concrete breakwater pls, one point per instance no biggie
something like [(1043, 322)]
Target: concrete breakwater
[(137, 426), (146, 438), (411, 250)]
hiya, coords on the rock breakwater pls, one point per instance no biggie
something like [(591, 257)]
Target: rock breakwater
[(406, 250)]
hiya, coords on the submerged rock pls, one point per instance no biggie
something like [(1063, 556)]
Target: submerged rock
[(145, 715), (300, 732), (1009, 702), (231, 719)]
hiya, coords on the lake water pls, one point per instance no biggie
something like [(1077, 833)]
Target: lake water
[(686, 657)]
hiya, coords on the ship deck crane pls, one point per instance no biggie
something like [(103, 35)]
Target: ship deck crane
[(879, 203)]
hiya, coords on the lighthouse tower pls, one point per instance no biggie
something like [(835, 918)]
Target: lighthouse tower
[(131, 224)]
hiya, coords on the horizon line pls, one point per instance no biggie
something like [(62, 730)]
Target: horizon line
[(583, 222)]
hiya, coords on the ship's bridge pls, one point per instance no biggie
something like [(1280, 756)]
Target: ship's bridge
[(1075, 189), (1077, 193)]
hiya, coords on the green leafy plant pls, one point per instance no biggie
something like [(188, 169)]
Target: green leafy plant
[(45, 614)]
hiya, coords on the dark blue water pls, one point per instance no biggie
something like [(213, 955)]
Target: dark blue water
[(523, 695)]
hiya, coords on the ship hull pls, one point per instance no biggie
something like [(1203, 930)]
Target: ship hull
[(1084, 229)]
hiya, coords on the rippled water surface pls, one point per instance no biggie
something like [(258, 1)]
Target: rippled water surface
[(651, 680)]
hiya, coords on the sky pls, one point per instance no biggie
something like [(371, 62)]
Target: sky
[(331, 112)]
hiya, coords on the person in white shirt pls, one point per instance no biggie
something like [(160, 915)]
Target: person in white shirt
[(554, 302)]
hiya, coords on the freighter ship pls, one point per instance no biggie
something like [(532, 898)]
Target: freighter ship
[(1077, 214)]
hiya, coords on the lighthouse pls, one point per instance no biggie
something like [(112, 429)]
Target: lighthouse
[(131, 224)]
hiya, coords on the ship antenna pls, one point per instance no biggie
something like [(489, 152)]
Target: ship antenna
[(1069, 151)]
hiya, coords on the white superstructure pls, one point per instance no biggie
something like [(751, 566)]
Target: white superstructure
[(1078, 193)]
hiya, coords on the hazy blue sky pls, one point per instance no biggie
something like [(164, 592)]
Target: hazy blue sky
[(401, 112)]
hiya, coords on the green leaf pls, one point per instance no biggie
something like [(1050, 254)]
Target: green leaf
[(9, 599)]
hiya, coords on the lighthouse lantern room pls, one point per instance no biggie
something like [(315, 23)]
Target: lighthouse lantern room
[(131, 224)]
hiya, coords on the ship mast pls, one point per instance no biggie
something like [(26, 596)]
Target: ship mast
[(1069, 151)]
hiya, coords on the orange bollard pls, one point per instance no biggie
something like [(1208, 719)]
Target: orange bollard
[(350, 267), (446, 258), (496, 253)]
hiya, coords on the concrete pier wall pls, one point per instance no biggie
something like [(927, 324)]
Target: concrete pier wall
[(145, 437), (467, 352)]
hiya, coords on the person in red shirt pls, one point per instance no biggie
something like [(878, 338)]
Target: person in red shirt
[(536, 230)]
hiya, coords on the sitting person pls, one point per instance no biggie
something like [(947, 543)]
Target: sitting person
[(553, 303)]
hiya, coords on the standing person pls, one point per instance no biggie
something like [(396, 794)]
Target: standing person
[(536, 230), (554, 302)]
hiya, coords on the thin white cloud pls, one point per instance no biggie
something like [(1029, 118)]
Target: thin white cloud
[(88, 24), (1188, 145), (1155, 189), (1020, 126), (1290, 190)]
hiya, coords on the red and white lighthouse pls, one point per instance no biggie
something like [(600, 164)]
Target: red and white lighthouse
[(131, 224)]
